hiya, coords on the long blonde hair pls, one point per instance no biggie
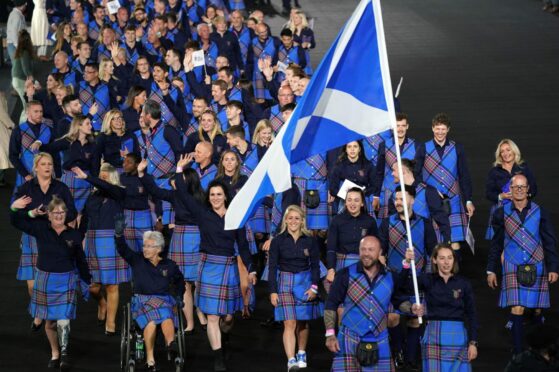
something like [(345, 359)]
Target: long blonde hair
[(262, 124), (299, 210), (216, 129), (304, 22), (103, 69), (517, 155), (109, 116), (74, 131)]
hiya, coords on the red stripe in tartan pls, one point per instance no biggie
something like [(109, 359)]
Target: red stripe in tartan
[(166, 113), (161, 161), (318, 163), (277, 122), (513, 294), (358, 293), (86, 96), (523, 237), (442, 343), (433, 165)]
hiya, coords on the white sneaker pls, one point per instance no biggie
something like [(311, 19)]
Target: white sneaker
[(292, 365), (302, 360)]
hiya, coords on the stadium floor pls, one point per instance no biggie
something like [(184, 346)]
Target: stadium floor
[(491, 65)]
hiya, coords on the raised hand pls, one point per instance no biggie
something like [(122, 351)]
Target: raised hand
[(21, 203), (79, 173)]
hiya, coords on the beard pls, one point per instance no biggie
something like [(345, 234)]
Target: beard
[(368, 266)]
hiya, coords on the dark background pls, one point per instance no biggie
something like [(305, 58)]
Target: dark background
[(493, 66)]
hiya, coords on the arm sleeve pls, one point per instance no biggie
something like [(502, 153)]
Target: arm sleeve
[(155, 191), (492, 190), (464, 174), (332, 245), (438, 213), (379, 171), (194, 207), (66, 195), (81, 263), (124, 251), (273, 260), (61, 144), (334, 180), (497, 243), (21, 221), (383, 236), (315, 259), (15, 151), (242, 245), (338, 290), (200, 89), (172, 136), (549, 242), (116, 192), (419, 160), (470, 312)]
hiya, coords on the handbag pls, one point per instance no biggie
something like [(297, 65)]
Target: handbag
[(526, 275), (311, 199), (367, 353)]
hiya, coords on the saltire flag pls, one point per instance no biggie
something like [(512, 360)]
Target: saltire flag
[(348, 98)]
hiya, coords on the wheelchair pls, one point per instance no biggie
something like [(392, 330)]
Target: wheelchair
[(132, 347)]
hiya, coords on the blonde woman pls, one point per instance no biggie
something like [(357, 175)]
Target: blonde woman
[(107, 267), (303, 35), (263, 136), (77, 148), (117, 88), (114, 142), (508, 162), (293, 281), (210, 131), (41, 188), (63, 37)]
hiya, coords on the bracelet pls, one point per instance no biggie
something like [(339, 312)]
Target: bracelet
[(330, 332), (314, 286), (14, 209), (314, 290), (405, 264), (30, 214)]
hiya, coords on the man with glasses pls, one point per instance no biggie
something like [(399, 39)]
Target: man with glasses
[(525, 244), (285, 96)]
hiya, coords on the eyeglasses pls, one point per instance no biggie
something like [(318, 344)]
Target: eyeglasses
[(118, 118), (57, 213), (519, 187)]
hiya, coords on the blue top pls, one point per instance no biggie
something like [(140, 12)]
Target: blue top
[(108, 148), (214, 239), (292, 256), (499, 177), (74, 153), (453, 300), (56, 253), (429, 235), (547, 236), (32, 189), (150, 279), (464, 178), (345, 233)]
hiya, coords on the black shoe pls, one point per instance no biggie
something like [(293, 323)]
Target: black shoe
[(172, 351), (412, 367), (110, 334), (36, 327), (189, 333), (151, 367), (268, 323), (100, 322), (219, 363), (204, 327), (54, 363), (64, 363)]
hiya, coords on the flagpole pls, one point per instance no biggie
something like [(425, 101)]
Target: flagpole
[(390, 104)]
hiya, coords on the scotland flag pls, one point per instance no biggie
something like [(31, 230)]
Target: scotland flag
[(348, 98)]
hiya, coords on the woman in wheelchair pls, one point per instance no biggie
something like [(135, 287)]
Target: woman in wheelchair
[(153, 277)]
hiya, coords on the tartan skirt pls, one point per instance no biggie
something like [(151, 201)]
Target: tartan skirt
[(260, 221), (218, 289), (266, 271), (28, 259), (293, 304), (80, 189), (317, 218), (137, 222), (345, 360), (105, 264), (153, 308), (54, 295), (185, 250), (444, 347), (457, 219), (515, 294)]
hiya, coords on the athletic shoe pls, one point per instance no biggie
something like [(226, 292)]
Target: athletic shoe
[(302, 360), (292, 365)]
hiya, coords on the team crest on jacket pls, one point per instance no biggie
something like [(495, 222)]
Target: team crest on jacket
[(306, 252), (164, 273), (456, 293), (69, 243), (361, 173), (140, 189)]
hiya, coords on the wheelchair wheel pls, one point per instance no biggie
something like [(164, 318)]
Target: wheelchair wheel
[(126, 363), (180, 358)]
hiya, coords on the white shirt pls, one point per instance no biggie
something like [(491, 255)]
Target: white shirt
[(16, 23)]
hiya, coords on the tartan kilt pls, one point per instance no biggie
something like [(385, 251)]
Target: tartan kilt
[(457, 219), (185, 250), (153, 308), (514, 294), (28, 259), (54, 295), (292, 304), (345, 260), (218, 288), (317, 218), (105, 264), (444, 347), (80, 189), (260, 221), (345, 360), (137, 222)]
